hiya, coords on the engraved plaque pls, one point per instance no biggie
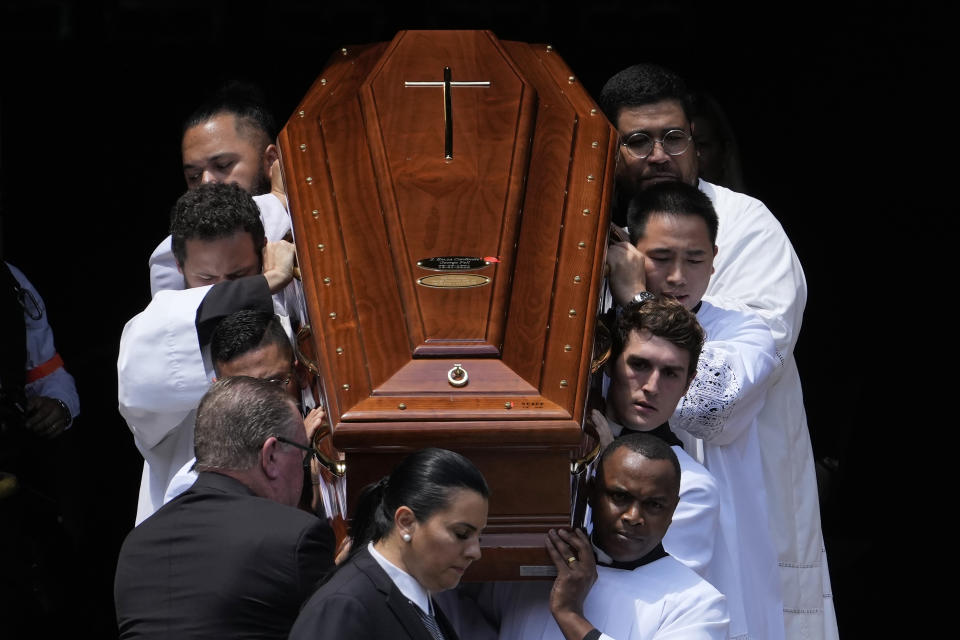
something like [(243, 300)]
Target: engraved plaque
[(453, 263), (453, 281)]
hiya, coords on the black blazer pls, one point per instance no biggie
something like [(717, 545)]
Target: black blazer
[(219, 562), (361, 602)]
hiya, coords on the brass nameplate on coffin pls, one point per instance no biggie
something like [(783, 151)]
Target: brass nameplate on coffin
[(453, 263), (453, 281)]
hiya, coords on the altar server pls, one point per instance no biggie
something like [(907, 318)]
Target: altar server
[(756, 265), (673, 229), (226, 265)]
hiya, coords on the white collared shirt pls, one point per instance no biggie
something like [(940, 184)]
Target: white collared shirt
[(407, 584)]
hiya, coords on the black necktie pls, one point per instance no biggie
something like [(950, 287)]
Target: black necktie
[(429, 622)]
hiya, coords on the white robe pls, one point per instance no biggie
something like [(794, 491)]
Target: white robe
[(660, 600), (164, 274), (161, 372), (720, 410), (161, 377), (757, 265), (694, 537), (697, 537)]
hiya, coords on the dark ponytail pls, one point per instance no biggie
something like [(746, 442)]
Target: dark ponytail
[(423, 481)]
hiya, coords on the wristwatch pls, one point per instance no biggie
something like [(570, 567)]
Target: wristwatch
[(643, 296)]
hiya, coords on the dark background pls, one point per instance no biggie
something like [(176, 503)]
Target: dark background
[(825, 99)]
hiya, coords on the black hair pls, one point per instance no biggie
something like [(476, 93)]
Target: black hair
[(672, 198), (647, 445), (245, 102), (213, 211), (245, 330), (640, 85), (423, 481)]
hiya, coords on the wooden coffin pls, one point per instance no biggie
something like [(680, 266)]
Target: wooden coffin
[(451, 239)]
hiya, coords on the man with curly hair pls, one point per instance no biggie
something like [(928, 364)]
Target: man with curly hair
[(226, 265)]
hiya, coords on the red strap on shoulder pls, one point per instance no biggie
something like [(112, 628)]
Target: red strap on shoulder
[(45, 369)]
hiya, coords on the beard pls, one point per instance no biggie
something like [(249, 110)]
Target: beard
[(261, 184)]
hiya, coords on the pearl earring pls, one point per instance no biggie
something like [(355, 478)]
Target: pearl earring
[(406, 537)]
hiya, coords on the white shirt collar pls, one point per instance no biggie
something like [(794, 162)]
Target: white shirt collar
[(408, 585)]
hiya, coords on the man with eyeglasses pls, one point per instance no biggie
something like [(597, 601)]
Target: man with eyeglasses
[(253, 342), (756, 265), (231, 557), (226, 265)]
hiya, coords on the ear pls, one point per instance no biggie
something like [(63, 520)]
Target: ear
[(713, 269), (270, 155), (269, 458), (404, 520), (302, 374)]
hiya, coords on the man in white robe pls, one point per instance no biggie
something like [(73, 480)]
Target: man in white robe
[(673, 233), (757, 266), (619, 583), (229, 138), (162, 373), (164, 274), (695, 537)]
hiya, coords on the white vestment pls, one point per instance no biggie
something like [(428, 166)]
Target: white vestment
[(161, 372), (720, 409), (694, 536), (660, 600), (164, 274), (161, 377), (757, 265)]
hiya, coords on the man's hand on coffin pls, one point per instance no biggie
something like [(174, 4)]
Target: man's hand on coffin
[(276, 183), (573, 557), (627, 274), (343, 551), (601, 428), (278, 260), (313, 421)]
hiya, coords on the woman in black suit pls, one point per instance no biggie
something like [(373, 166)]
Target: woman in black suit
[(414, 533)]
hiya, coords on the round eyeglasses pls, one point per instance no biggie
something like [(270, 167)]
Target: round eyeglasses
[(674, 142)]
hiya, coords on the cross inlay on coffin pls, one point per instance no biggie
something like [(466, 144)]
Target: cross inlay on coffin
[(447, 111)]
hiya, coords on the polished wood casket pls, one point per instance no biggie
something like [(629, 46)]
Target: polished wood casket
[(450, 196)]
